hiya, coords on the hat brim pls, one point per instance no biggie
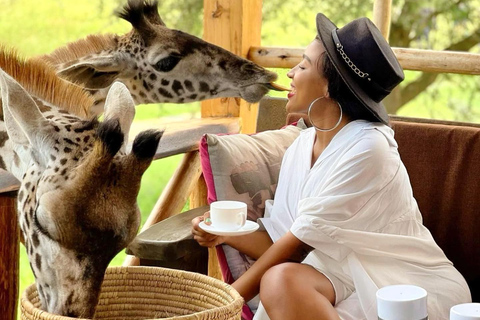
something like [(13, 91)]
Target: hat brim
[(324, 29)]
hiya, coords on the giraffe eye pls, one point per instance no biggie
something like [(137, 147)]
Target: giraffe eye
[(167, 64)]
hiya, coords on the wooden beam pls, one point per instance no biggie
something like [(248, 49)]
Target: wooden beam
[(182, 137), (410, 59), (198, 197), (382, 16), (170, 244), (166, 241), (234, 25), (9, 255), (439, 61), (175, 194), (8, 182)]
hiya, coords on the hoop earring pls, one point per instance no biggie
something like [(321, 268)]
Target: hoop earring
[(321, 129)]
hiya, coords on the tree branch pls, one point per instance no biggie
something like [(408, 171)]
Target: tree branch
[(403, 95)]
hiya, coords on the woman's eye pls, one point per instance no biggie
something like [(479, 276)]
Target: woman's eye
[(167, 64)]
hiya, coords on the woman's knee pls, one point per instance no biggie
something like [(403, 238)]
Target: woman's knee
[(277, 278), (300, 279)]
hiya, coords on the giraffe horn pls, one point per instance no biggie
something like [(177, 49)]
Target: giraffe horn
[(143, 15)]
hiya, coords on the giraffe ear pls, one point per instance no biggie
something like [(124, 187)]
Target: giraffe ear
[(119, 104), (21, 114), (94, 73)]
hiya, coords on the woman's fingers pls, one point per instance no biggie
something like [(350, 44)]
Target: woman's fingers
[(203, 238), (206, 217)]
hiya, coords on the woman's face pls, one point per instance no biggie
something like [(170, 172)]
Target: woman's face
[(307, 83)]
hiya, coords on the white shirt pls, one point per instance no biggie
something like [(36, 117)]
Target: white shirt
[(355, 207)]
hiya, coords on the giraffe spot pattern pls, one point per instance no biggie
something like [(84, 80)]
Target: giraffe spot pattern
[(35, 240), (69, 141), (204, 87), (147, 86), (188, 84), (38, 262), (3, 138), (165, 93), (177, 87)]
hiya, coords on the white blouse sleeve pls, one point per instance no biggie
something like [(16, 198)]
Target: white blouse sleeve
[(354, 194)]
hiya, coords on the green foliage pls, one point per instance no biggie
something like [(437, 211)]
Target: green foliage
[(34, 28)]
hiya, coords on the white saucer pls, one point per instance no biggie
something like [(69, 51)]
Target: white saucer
[(249, 227)]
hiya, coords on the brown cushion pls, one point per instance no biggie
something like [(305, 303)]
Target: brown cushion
[(443, 162)]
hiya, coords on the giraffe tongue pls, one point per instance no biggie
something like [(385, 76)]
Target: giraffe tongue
[(276, 87)]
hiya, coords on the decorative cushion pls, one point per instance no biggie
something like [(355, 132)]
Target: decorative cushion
[(245, 168)]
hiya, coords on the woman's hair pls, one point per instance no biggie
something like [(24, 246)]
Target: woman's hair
[(339, 91)]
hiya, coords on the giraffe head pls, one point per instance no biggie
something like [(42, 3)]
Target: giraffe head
[(159, 64), (77, 201)]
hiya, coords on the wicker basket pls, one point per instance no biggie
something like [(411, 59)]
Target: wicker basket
[(152, 293)]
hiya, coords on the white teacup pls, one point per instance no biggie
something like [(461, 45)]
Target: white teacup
[(465, 311), (228, 215), (402, 302)]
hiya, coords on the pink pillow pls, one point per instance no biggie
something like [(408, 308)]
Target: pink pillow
[(245, 168)]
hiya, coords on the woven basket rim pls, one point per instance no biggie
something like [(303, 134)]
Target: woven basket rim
[(230, 308)]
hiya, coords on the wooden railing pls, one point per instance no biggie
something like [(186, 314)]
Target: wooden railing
[(410, 59)]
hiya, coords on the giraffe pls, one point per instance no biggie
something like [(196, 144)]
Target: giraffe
[(77, 200), (158, 64)]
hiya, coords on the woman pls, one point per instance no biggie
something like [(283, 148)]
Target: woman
[(344, 221)]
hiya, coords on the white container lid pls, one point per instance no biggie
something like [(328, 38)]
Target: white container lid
[(402, 302), (465, 311)]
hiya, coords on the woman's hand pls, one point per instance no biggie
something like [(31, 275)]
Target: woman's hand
[(204, 238)]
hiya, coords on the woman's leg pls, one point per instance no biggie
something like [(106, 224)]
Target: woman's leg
[(297, 291)]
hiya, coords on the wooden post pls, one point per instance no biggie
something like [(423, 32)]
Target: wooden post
[(382, 10), (198, 198), (234, 25), (9, 254)]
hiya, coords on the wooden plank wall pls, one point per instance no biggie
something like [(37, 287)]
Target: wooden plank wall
[(9, 246), (233, 25)]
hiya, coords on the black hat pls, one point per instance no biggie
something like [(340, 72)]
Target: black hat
[(364, 60)]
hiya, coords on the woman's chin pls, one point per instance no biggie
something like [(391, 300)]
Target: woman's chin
[(291, 107)]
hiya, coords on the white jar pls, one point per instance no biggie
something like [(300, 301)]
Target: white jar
[(402, 302), (465, 311)]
